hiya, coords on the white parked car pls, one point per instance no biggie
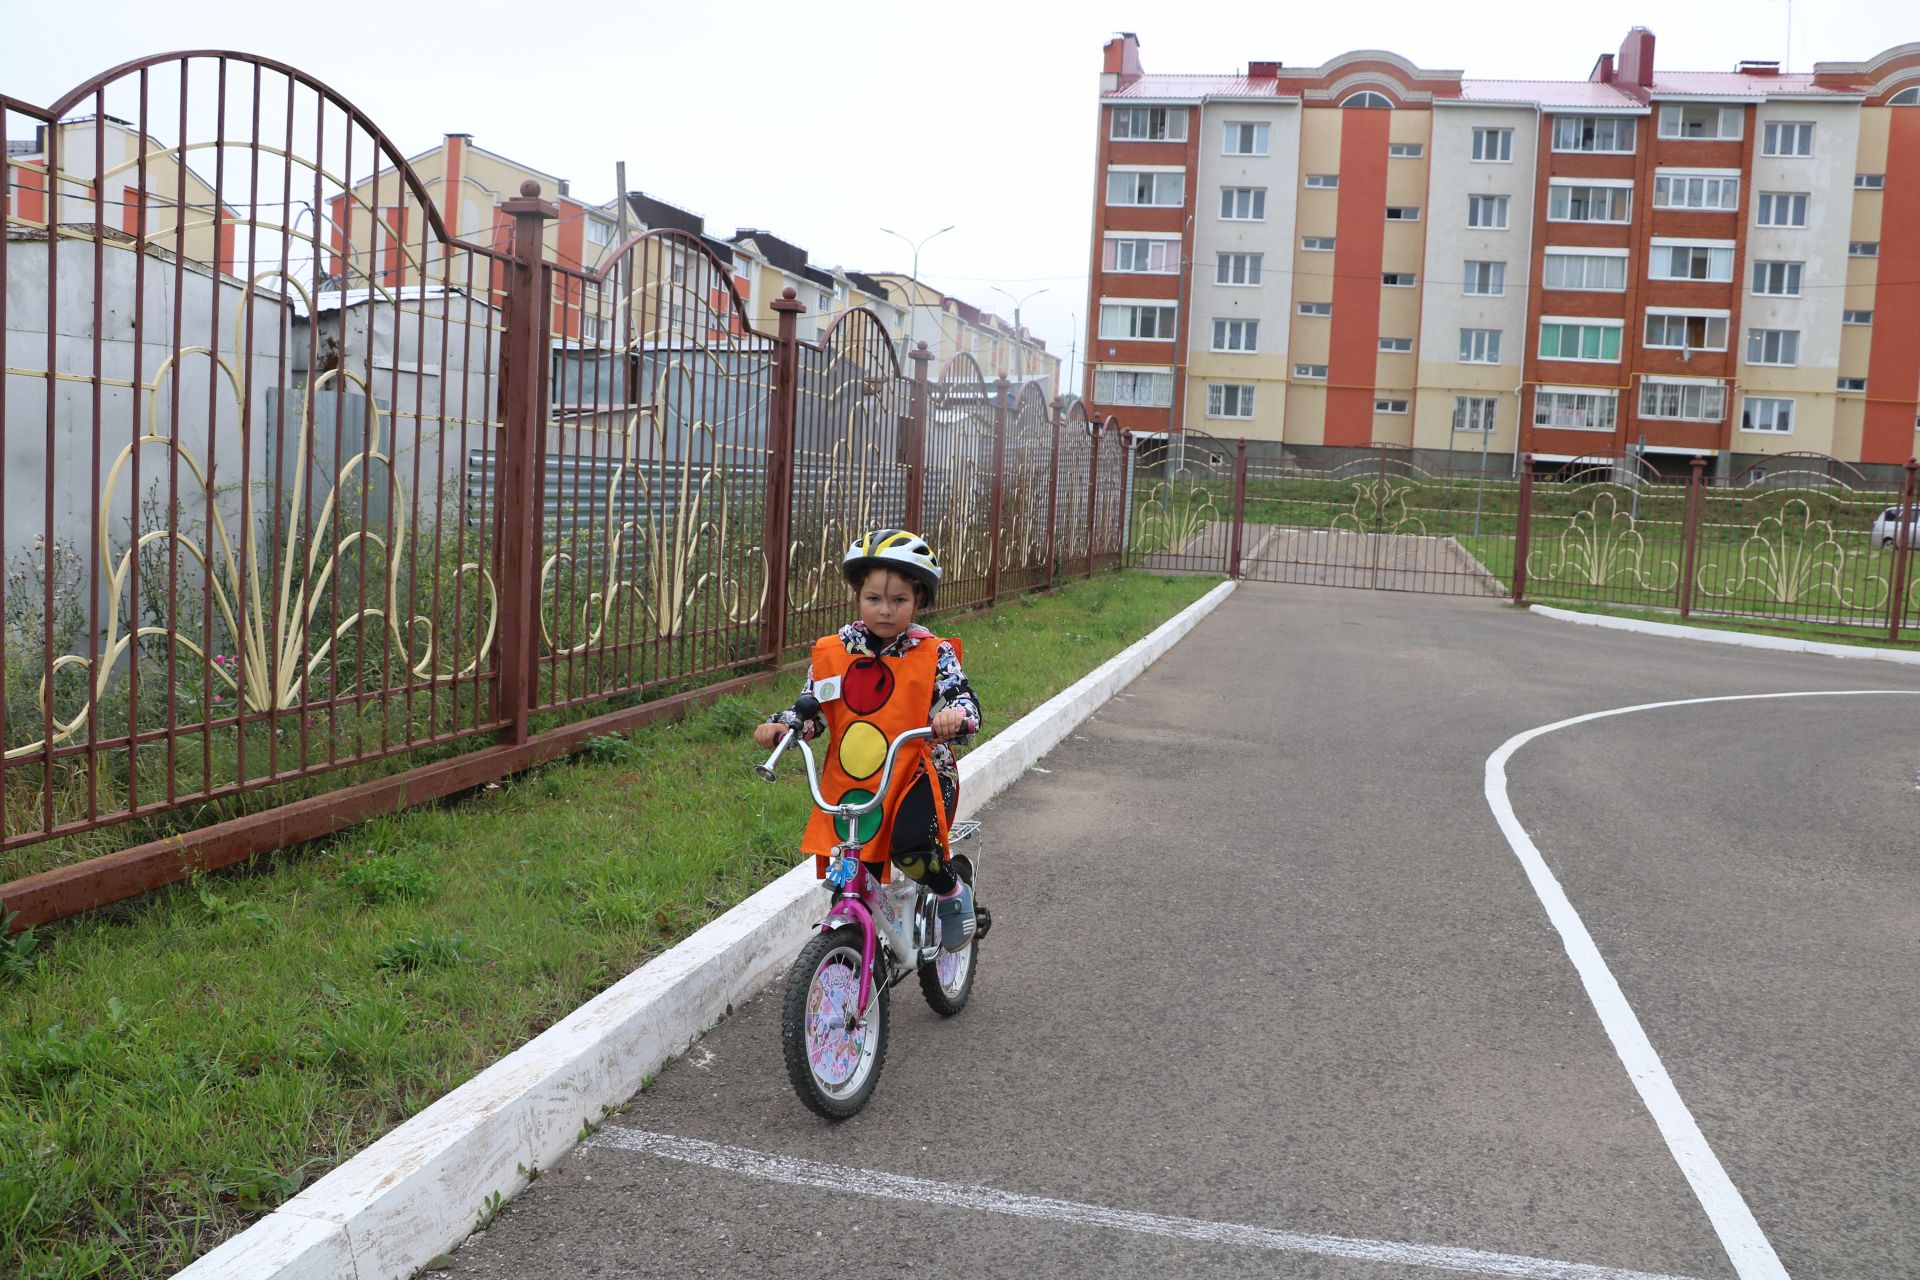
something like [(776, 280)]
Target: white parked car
[(1886, 527)]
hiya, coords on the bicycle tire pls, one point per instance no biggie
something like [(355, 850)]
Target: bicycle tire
[(947, 993), (833, 1069)]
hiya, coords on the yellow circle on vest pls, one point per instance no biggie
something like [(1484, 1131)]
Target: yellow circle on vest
[(863, 749)]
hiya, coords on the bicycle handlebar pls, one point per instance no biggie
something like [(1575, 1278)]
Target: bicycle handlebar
[(792, 738)]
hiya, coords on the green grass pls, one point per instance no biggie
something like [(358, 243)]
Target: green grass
[(173, 1068)]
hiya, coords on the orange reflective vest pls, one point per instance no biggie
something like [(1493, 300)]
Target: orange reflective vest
[(867, 702)]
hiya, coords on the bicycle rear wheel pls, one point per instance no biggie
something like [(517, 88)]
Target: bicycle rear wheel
[(833, 1063)]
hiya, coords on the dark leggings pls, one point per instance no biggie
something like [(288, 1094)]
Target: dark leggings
[(917, 849)]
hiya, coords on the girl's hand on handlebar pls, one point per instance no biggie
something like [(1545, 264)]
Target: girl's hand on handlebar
[(948, 724), (768, 733)]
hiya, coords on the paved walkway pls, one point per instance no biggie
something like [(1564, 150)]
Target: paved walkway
[(1269, 993)]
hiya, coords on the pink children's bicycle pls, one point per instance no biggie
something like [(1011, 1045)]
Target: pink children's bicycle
[(833, 1025)]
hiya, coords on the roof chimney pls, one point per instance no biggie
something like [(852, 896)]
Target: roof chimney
[(1602, 70), (1122, 62), (1262, 70), (1636, 58)]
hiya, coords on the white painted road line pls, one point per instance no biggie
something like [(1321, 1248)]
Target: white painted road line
[(893, 1186), (1752, 1256)]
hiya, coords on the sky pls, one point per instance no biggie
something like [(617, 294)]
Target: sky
[(827, 122)]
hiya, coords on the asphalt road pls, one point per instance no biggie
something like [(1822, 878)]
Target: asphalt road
[(1268, 993)]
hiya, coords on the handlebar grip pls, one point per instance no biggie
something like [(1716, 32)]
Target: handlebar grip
[(806, 706)]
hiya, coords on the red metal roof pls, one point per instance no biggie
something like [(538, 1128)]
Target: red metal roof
[(1549, 93), (1179, 86), (1737, 84)]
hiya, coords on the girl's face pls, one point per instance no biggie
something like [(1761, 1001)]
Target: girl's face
[(886, 602)]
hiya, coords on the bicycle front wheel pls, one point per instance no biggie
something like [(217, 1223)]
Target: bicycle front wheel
[(833, 1061)]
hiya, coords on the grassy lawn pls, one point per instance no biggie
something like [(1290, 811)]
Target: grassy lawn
[(173, 1068)]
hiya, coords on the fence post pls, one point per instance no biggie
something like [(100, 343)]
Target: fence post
[(518, 455), (916, 442), (1239, 508), (1523, 530), (1692, 534), (777, 520), (997, 540), (1902, 553), (1053, 496), (1093, 494)]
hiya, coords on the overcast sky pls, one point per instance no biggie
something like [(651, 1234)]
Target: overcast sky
[(825, 122)]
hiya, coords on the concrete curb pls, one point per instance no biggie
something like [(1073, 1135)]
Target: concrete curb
[(421, 1189), (1739, 639)]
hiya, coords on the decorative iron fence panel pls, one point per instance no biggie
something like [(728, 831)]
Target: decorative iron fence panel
[(297, 477)]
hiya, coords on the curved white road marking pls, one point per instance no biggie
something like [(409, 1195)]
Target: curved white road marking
[(1746, 1245), (920, 1191)]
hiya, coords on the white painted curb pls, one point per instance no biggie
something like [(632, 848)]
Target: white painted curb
[(421, 1189), (1739, 639)]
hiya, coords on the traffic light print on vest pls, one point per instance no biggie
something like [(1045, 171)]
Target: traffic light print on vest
[(874, 700)]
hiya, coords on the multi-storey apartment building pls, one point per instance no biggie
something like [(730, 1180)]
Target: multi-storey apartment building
[(951, 326), (1679, 263)]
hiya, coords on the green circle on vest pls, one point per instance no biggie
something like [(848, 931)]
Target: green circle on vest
[(868, 822)]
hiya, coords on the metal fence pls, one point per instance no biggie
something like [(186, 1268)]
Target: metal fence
[(294, 480), (1801, 538)]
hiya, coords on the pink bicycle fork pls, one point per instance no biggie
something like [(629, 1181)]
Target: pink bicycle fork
[(852, 906)]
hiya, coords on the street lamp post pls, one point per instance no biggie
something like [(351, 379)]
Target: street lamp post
[(913, 329), (1019, 341)]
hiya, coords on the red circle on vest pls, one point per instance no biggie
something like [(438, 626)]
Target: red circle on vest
[(867, 686)]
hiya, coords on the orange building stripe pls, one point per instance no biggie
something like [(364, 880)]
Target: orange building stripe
[(1893, 365), (1359, 251)]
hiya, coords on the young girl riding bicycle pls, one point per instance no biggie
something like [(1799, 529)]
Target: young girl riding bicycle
[(876, 678)]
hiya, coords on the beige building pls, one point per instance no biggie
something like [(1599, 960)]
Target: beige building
[(951, 327)]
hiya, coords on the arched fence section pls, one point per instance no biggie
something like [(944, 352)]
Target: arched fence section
[(311, 463)]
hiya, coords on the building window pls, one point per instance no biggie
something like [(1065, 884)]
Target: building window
[(1315, 308), (1475, 413), (1149, 124), (1309, 371), (589, 328), (1393, 346), (1140, 256), (1243, 204), (1152, 388), (1317, 244), (1479, 346), (1783, 209), (1569, 203), (1493, 144), (1592, 272), (1402, 213), (1684, 401), (1693, 191), (1767, 413), (1487, 212), (1686, 331), (1135, 187), (600, 233), (1229, 400), (1691, 262), (1869, 181), (1323, 180), (1243, 138), (1863, 248), (1777, 279), (1238, 268), (1387, 405), (1574, 340), (1486, 278), (1773, 346), (1236, 335), (1593, 133), (1786, 138), (1702, 121), (1856, 317), (1369, 99), (1906, 98), (1851, 384), (1397, 279), (1576, 410), (1405, 150), (1149, 321)]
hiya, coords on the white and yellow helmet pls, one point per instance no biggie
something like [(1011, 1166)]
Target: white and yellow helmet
[(900, 550)]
